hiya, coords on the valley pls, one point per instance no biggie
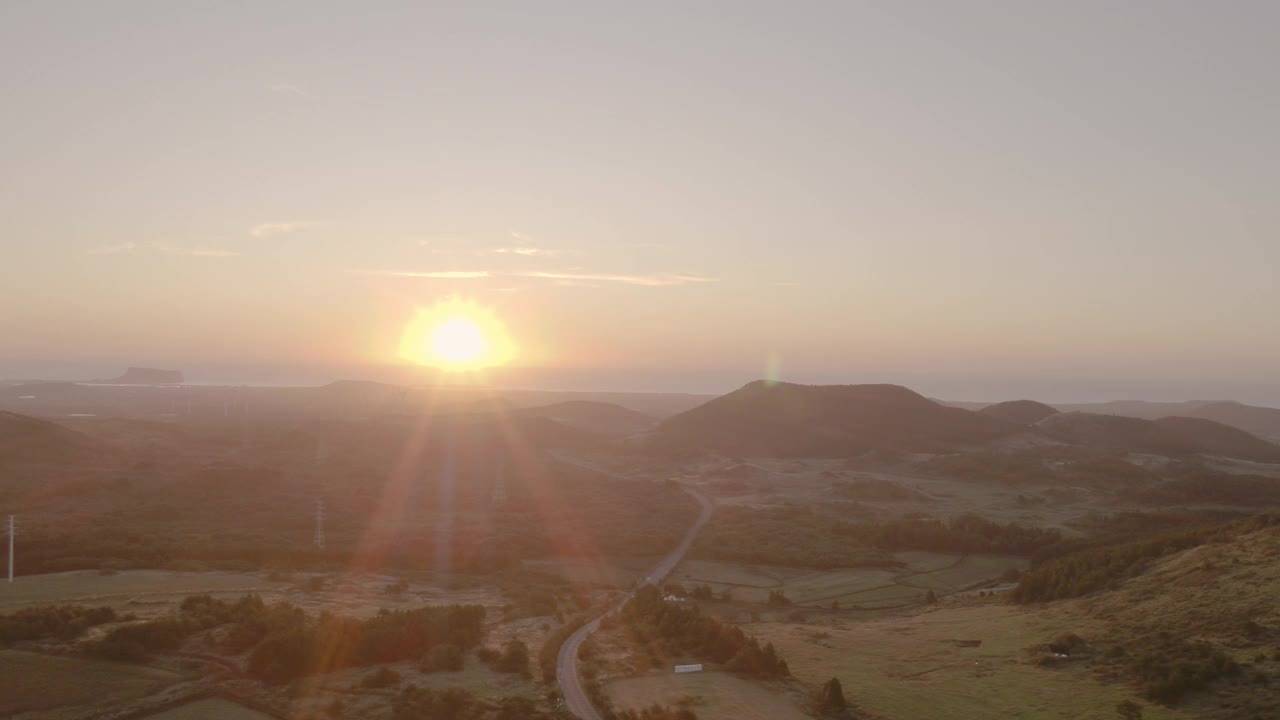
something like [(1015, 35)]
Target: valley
[(946, 562)]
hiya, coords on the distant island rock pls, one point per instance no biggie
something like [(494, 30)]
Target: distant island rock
[(147, 376)]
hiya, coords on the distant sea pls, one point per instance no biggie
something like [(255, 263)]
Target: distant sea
[(943, 383)]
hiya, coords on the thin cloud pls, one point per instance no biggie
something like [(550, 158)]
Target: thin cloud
[(436, 274), (648, 280), (522, 238), (579, 279), (193, 252), (271, 229), (132, 248), (526, 251)]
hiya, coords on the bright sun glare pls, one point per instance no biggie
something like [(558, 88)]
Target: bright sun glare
[(458, 341), (458, 335)]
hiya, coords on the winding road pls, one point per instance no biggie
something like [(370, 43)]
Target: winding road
[(575, 698)]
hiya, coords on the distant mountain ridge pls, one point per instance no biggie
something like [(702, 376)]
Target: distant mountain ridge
[(598, 417), (1258, 420), (1164, 436), (786, 419)]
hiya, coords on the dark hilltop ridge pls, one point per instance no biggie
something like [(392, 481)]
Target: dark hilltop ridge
[(785, 419), (1022, 412), (146, 376), (598, 417), (788, 420), (1165, 436)]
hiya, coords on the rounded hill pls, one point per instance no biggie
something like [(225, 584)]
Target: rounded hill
[(786, 419), (1023, 412)]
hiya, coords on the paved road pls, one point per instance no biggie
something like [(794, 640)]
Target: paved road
[(575, 698)]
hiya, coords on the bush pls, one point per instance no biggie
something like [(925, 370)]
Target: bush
[(383, 677), (443, 658), (514, 658), (63, 622)]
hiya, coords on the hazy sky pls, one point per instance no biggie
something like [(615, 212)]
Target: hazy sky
[(1074, 198)]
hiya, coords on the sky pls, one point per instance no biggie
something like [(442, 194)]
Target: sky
[(1070, 201)]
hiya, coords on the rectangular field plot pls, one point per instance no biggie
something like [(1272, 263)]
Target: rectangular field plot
[(34, 682), (717, 696), (87, 587), (868, 588)]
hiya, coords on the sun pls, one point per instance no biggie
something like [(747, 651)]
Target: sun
[(456, 335), (458, 341)]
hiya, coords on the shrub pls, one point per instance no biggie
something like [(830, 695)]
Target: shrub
[(443, 658), (383, 677)]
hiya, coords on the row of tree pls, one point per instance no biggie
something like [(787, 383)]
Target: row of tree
[(680, 629), (801, 537), (287, 643), (62, 622)]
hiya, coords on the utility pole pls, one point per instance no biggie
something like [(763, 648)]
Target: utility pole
[(11, 533), (320, 523)]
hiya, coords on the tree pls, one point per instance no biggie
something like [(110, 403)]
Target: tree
[(514, 659), (832, 695), (443, 658), (1129, 710)]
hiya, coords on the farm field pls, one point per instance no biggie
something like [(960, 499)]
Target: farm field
[(210, 709), (140, 591), (906, 667), (808, 482), (717, 695), (31, 682), (87, 587), (617, 572), (853, 588)]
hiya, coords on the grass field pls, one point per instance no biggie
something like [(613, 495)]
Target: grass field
[(908, 667), (210, 709), (620, 573), (33, 682), (866, 588), (140, 586), (717, 695)]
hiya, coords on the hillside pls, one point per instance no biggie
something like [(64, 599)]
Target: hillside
[(24, 438), (1261, 421), (786, 419), (1166, 436), (1184, 611), (1215, 438), (1022, 412), (598, 417)]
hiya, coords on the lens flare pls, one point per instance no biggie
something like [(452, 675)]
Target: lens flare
[(457, 335)]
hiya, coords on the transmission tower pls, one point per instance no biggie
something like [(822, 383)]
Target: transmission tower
[(320, 523), (12, 532)]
